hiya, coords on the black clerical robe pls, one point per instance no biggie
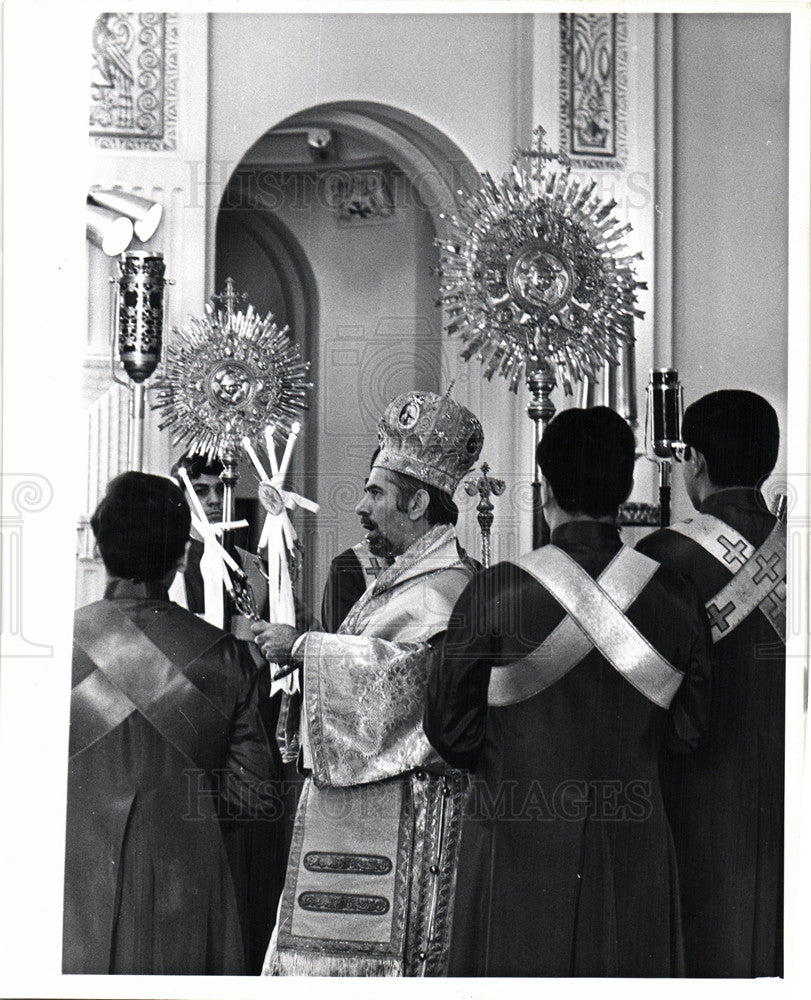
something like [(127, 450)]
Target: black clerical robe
[(726, 800), (260, 849), (166, 745), (567, 865), (350, 573)]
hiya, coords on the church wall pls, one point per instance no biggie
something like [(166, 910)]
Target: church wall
[(470, 76), (730, 207), (483, 80), (175, 177), (378, 335), (718, 312)]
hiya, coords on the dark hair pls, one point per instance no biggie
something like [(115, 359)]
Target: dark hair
[(440, 510), (141, 526), (737, 433), (197, 465), (587, 457)]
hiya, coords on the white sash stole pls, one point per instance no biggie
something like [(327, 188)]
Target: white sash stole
[(758, 576), (595, 618)]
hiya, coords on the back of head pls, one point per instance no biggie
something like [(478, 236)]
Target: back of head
[(141, 526), (737, 433), (587, 457)]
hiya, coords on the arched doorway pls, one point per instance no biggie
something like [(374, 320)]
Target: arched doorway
[(329, 221)]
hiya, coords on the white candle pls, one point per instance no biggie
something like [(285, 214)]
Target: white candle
[(271, 447), (260, 470), (201, 522), (288, 450), (194, 500)]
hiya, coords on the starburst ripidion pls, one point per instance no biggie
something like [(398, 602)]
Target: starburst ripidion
[(230, 374), (535, 271)]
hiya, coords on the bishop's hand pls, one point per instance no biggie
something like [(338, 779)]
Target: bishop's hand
[(275, 641)]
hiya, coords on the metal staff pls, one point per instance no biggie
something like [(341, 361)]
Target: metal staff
[(540, 382), (486, 486)]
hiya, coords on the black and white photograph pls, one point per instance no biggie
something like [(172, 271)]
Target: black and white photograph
[(405, 497)]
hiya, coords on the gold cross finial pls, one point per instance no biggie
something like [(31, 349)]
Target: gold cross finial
[(230, 297)]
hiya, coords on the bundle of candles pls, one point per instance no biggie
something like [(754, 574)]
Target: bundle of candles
[(234, 579), (278, 534)]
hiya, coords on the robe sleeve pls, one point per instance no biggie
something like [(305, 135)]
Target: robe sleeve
[(249, 788), (456, 702), (689, 712), (363, 701)]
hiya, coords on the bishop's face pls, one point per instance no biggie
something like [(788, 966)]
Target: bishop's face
[(210, 490), (388, 530)]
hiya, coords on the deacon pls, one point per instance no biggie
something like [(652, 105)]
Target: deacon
[(560, 679), (350, 573), (165, 743), (200, 587), (726, 800), (371, 871), (256, 849)]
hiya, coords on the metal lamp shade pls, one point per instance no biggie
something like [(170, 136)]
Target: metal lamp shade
[(110, 233), (145, 214)]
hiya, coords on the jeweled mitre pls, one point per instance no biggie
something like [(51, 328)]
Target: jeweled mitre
[(432, 438)]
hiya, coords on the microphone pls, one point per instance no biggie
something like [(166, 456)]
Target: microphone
[(663, 416)]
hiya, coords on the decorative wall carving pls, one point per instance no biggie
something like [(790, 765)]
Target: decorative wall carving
[(594, 89), (133, 83), (359, 195)]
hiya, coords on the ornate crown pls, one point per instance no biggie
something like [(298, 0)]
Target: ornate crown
[(430, 437)]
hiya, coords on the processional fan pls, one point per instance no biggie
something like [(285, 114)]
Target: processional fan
[(235, 380), (538, 281)]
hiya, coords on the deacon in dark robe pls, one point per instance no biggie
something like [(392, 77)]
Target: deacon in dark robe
[(166, 745), (257, 849), (350, 573), (560, 679), (726, 801), (199, 587)]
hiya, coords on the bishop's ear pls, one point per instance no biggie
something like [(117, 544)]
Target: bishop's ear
[(418, 505)]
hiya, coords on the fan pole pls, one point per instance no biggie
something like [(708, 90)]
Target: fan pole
[(541, 409)]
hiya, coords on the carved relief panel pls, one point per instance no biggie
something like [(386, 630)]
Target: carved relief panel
[(133, 83)]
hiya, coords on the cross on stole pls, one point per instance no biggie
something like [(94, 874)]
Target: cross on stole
[(767, 569), (774, 608), (718, 616), (735, 551)]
